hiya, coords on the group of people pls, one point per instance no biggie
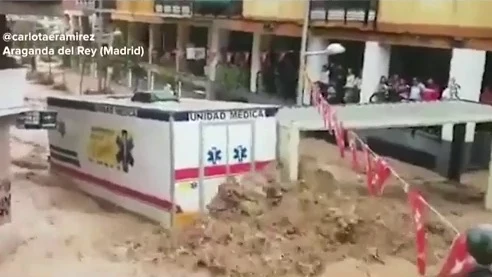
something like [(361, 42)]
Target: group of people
[(339, 85), (397, 87), (343, 86)]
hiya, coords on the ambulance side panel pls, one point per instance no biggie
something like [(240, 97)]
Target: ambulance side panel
[(222, 148), (122, 159)]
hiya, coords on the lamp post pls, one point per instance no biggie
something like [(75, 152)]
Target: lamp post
[(331, 49), (302, 54)]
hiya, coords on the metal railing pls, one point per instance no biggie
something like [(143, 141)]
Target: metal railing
[(188, 8), (346, 11), (174, 8)]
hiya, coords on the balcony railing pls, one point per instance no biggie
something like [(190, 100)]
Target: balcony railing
[(188, 8), (174, 8), (218, 8), (90, 6), (346, 11)]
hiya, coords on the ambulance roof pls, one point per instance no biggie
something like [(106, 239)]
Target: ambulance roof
[(185, 109), (184, 104)]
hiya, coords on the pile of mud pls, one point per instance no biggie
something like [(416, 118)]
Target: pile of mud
[(261, 227)]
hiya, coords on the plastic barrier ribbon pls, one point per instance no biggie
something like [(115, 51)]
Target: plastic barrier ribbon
[(417, 206), (319, 98), (329, 117), (458, 262), (352, 140), (313, 94), (326, 111), (316, 96), (339, 137), (369, 169), (332, 117), (381, 174)]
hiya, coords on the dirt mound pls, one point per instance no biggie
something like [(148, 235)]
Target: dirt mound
[(261, 227)]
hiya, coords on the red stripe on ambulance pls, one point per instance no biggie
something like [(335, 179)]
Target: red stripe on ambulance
[(217, 170), (116, 188)]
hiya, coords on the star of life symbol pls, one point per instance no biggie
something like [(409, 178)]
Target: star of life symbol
[(240, 153), (214, 155)]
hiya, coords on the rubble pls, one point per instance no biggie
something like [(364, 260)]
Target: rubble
[(261, 227)]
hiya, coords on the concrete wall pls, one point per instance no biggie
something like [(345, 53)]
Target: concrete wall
[(422, 149), (419, 141), (136, 7), (451, 13), (275, 10), (5, 171), (14, 87)]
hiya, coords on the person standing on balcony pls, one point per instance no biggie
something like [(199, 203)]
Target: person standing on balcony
[(431, 92), (452, 91), (416, 90), (350, 86)]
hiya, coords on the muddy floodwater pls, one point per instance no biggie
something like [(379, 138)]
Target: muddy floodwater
[(327, 226)]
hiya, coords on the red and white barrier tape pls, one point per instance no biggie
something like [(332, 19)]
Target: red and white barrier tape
[(378, 171)]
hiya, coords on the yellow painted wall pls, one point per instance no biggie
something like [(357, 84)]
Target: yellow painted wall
[(470, 13), (274, 10), (138, 7), (124, 6), (143, 7)]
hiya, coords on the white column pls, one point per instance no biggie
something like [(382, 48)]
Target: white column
[(183, 35), (154, 40), (217, 38), (131, 39), (255, 61), (314, 64), (151, 42), (130, 79), (467, 67), (376, 64), (14, 88)]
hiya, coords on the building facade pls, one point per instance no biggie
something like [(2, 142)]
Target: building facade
[(451, 39)]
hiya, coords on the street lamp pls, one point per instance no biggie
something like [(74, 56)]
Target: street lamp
[(331, 49)]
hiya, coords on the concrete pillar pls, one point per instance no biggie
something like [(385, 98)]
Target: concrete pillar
[(183, 36), (255, 61), (155, 40), (151, 42), (314, 64), (79, 23), (467, 67), (131, 39), (376, 64), (217, 39), (5, 187)]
